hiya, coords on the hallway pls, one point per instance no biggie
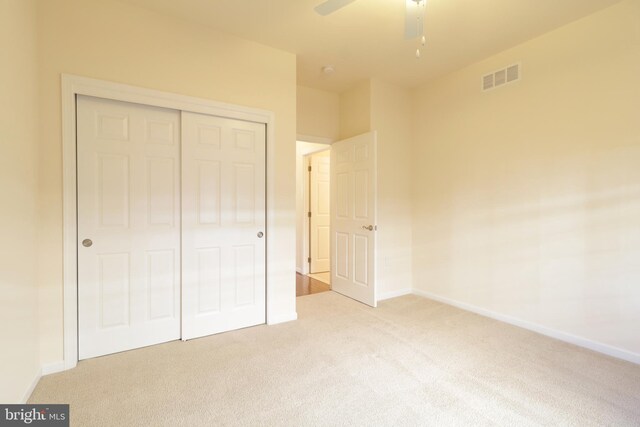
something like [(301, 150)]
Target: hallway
[(306, 285)]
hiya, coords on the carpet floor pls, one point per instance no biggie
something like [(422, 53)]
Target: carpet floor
[(411, 361)]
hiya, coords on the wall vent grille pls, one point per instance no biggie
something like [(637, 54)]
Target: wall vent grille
[(487, 82), (501, 77)]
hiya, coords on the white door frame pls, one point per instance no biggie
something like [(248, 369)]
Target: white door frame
[(76, 85), (306, 224)]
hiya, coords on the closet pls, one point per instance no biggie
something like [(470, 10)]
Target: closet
[(171, 222)]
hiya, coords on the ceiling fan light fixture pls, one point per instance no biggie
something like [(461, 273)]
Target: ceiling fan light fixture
[(330, 6), (414, 22), (415, 11)]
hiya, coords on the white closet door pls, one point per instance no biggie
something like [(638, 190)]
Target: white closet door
[(223, 208), (128, 226)]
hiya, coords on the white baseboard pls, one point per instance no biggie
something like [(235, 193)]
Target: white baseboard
[(46, 369), (274, 320), (52, 368), (32, 386), (543, 330), (394, 294)]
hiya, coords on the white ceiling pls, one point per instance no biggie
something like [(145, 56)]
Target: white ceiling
[(366, 38)]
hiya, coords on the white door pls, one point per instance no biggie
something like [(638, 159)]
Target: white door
[(128, 168), (320, 210), (223, 241), (353, 217)]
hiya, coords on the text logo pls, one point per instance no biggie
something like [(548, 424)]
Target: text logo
[(34, 415)]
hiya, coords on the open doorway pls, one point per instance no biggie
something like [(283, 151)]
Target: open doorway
[(313, 214), (352, 195)]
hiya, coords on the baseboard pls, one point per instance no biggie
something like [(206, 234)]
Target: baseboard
[(46, 369), (543, 330), (394, 294), (52, 368), (274, 320), (32, 386)]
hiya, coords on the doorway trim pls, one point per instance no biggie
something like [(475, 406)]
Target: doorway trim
[(76, 85)]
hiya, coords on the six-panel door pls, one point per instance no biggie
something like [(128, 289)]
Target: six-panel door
[(128, 226), (223, 241), (353, 217)]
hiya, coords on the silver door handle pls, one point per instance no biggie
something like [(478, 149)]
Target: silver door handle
[(368, 227), (87, 242), (260, 234)]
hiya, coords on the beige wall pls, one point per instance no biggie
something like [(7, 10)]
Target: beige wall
[(109, 40), (527, 197), (355, 110), (318, 113), (18, 191), (390, 108)]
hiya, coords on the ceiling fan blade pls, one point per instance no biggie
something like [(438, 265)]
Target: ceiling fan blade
[(414, 19), (331, 6)]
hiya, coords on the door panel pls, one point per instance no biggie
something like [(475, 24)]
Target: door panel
[(161, 175), (114, 287), (113, 190), (128, 206), (320, 208), (208, 279), (353, 218), (208, 203), (341, 266), (161, 284), (223, 199)]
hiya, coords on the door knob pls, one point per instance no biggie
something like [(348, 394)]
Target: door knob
[(260, 234), (368, 227), (87, 242)]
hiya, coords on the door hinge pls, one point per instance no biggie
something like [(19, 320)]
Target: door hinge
[(309, 169), (309, 214), (309, 260)]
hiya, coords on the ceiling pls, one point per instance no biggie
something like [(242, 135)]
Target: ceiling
[(366, 38)]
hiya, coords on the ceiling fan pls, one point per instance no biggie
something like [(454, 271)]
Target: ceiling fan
[(414, 14)]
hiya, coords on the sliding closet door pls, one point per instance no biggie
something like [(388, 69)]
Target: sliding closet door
[(223, 224), (128, 226)]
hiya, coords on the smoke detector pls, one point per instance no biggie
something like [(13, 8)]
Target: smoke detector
[(328, 69)]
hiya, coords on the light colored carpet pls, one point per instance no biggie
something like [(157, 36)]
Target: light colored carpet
[(324, 277), (411, 361)]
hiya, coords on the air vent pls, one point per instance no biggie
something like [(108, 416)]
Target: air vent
[(487, 82), (513, 73), (501, 77)]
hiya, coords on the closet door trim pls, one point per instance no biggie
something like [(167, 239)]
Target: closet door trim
[(76, 85)]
